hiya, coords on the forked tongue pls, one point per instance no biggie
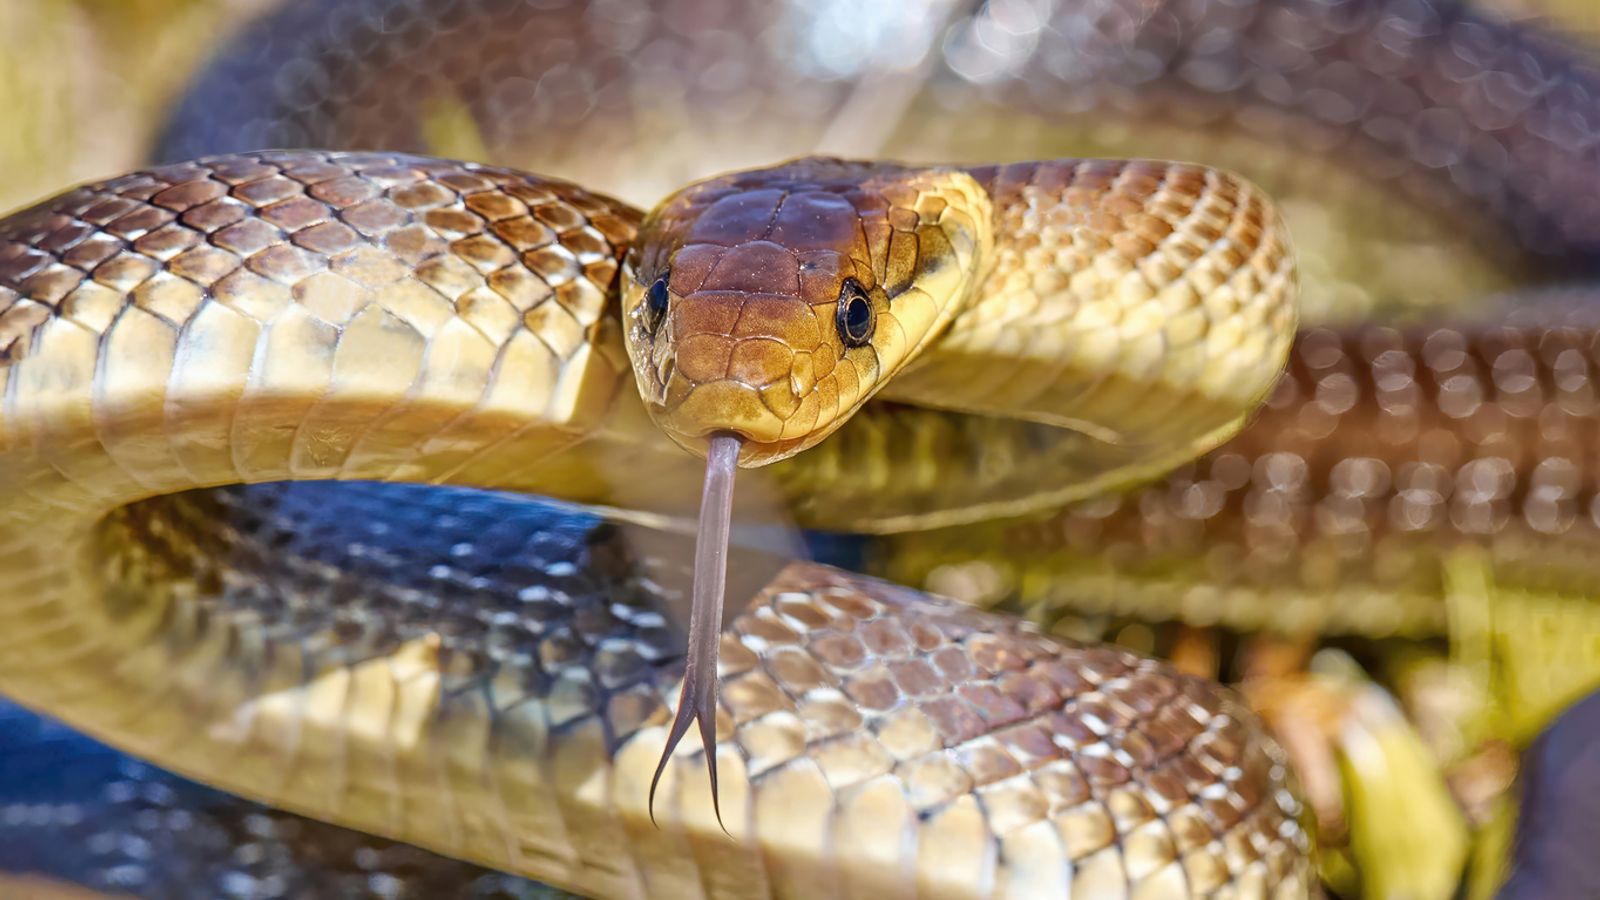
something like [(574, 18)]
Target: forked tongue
[(698, 699)]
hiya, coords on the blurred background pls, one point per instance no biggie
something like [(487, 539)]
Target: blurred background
[(88, 83), (1405, 668)]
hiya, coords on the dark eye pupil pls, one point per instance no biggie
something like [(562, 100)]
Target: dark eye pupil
[(655, 304), (857, 317), (855, 314)]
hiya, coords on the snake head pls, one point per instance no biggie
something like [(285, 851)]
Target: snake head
[(772, 303)]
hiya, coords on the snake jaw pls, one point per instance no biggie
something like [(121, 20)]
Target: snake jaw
[(735, 407)]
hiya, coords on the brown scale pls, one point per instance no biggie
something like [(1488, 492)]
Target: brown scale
[(1379, 453), (1437, 66), (824, 674)]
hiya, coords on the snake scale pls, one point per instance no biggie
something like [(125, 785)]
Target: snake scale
[(340, 76)]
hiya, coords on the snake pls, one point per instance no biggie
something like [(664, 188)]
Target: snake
[(268, 316), (176, 365), (216, 390)]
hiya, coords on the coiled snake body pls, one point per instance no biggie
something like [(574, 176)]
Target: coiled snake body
[(251, 318), (375, 316)]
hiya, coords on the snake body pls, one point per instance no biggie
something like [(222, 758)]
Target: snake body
[(95, 418), (1383, 455), (293, 315)]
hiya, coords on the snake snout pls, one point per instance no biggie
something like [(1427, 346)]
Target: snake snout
[(743, 363)]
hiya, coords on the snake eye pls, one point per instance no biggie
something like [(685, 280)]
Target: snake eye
[(655, 304), (855, 314)]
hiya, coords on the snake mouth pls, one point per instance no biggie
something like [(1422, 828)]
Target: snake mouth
[(736, 409)]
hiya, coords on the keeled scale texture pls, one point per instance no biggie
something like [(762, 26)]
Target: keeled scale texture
[(323, 238), (862, 714), (1148, 301)]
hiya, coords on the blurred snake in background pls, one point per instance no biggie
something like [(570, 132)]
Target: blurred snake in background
[(413, 663)]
